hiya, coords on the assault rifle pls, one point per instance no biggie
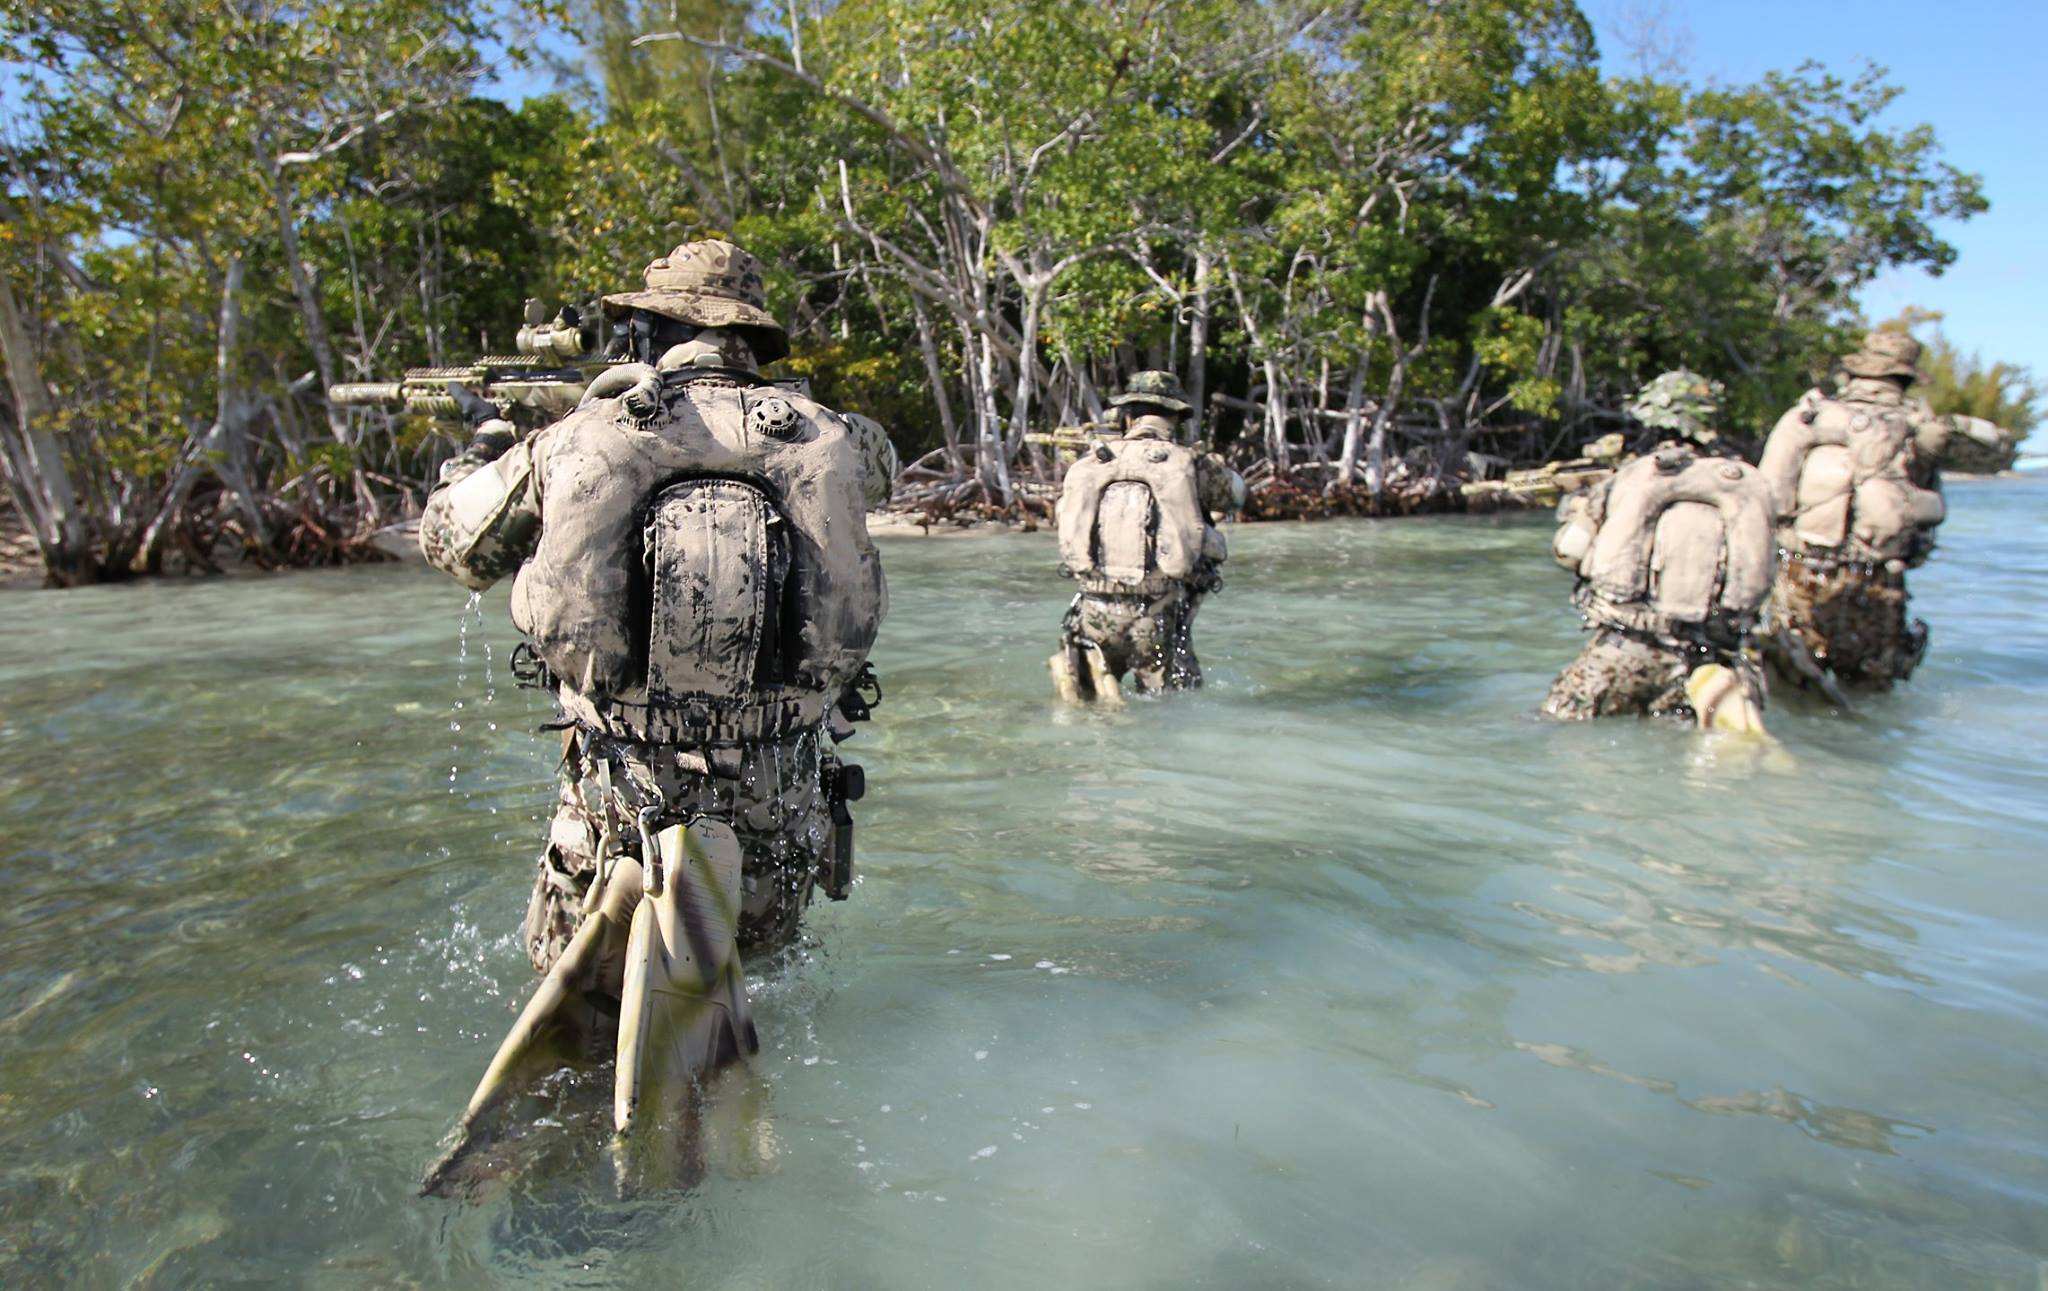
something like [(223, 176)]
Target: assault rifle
[(558, 358), (1069, 442)]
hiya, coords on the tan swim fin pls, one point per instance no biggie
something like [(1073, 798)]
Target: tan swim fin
[(1066, 680), (684, 1010), (556, 1025), (1722, 702), (1101, 680)]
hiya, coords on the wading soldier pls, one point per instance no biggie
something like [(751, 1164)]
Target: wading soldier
[(1137, 531), (1674, 559), (696, 586), (1859, 497)]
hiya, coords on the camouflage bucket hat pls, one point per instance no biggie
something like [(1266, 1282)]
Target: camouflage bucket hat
[(1154, 390), (709, 284), (1885, 354)]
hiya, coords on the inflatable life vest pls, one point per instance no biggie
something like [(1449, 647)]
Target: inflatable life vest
[(1673, 540), (1841, 470), (704, 573), (1129, 515)]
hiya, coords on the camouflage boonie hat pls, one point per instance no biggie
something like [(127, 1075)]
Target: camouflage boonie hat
[(1682, 402), (1154, 389), (709, 284), (1885, 354)]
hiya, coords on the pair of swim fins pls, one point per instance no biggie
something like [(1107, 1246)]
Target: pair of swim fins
[(682, 1009), (1080, 675)]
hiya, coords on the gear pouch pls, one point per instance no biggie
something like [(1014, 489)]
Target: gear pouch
[(716, 561), (1126, 525)]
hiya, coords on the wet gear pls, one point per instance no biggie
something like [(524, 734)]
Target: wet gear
[(1674, 543), (578, 598), (1674, 559), (1136, 531), (1721, 701), (568, 1018), (1858, 492), (1848, 473), (1129, 516), (697, 587)]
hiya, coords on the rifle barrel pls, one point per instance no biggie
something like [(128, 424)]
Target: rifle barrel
[(366, 394)]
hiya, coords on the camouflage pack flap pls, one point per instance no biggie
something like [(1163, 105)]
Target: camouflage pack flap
[(712, 580), (1127, 529)]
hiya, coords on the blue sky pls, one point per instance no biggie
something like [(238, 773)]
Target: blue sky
[(1973, 69)]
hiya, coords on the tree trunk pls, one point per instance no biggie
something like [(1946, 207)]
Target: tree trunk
[(936, 374), (35, 464), (303, 289), (1354, 422), (993, 460), (225, 445), (1198, 349)]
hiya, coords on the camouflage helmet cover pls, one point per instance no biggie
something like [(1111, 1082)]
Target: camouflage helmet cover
[(1154, 389), (709, 284), (1885, 354), (1680, 401)]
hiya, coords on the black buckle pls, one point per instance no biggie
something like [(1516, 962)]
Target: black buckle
[(862, 696), (529, 671)]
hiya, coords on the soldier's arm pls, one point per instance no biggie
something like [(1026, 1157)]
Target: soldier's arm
[(1219, 488), (483, 519), (879, 463), (1931, 433)]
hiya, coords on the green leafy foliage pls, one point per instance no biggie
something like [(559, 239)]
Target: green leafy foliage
[(981, 214)]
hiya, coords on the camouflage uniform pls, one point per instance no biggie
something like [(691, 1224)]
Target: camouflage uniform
[(1142, 625), (1674, 560), (758, 759), (1859, 497)]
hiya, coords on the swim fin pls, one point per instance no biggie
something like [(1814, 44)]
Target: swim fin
[(559, 1024), (1066, 678), (683, 1013), (1102, 683), (1722, 702)]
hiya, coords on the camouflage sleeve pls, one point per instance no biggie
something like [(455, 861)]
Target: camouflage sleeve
[(1219, 488), (482, 521), (1931, 430), (878, 461)]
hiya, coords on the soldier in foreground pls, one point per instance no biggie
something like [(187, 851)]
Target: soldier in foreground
[(697, 589), (1137, 531), (1674, 560), (1859, 498)]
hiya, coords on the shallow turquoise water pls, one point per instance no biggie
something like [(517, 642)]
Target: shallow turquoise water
[(1347, 971)]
